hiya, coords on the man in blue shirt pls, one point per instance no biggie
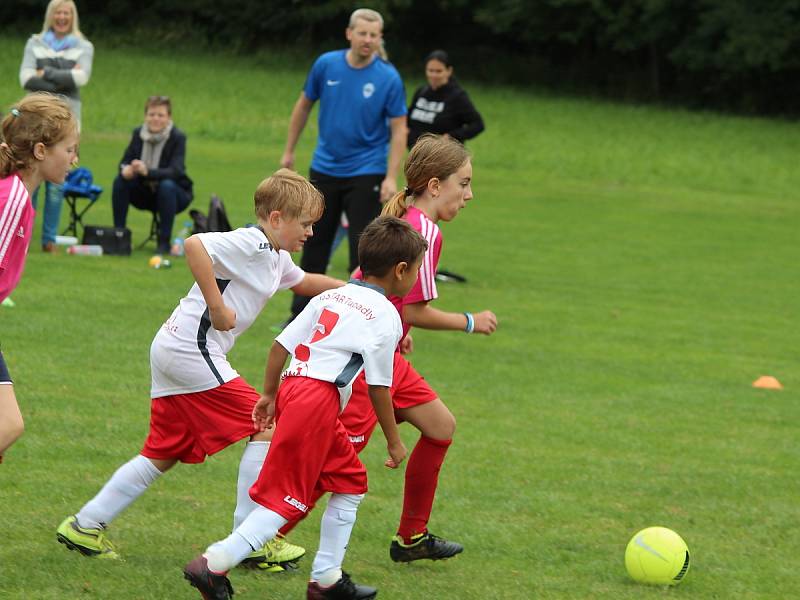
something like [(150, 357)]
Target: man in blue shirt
[(362, 137)]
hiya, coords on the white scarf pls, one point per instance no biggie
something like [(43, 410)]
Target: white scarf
[(153, 145)]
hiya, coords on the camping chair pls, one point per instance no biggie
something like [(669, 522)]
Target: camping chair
[(78, 184)]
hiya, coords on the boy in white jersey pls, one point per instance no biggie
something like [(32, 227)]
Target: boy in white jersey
[(200, 403), (338, 334)]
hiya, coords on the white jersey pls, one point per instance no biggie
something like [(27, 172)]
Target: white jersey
[(341, 332), (188, 354)]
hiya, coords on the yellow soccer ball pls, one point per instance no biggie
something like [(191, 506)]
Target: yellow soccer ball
[(657, 555), (155, 261)]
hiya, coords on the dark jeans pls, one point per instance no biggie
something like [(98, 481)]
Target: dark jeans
[(168, 199), (360, 199)]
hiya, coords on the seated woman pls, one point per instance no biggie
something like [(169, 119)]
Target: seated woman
[(153, 171)]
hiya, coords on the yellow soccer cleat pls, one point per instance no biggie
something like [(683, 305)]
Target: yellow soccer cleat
[(276, 556), (89, 542)]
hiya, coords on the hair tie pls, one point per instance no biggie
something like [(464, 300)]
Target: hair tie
[(407, 191), (15, 112)]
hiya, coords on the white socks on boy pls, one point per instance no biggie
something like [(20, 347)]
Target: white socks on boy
[(126, 485), (337, 525), (249, 467), (260, 526)]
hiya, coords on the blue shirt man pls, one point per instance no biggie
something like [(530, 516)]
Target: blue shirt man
[(362, 137)]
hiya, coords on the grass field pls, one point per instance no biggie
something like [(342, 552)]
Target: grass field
[(643, 264)]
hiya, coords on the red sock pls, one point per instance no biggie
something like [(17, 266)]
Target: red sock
[(422, 476)]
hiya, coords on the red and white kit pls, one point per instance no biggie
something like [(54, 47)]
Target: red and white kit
[(16, 220), (340, 333), (200, 404), (409, 388)]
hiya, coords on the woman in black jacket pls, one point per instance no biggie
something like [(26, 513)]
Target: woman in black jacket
[(153, 171), (442, 106)]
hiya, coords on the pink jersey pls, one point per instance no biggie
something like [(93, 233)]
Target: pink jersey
[(16, 221), (425, 288)]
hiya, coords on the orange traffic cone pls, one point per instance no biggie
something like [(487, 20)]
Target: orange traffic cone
[(767, 382)]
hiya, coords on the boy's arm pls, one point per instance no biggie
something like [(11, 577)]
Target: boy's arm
[(314, 283), (264, 410), (382, 403), (222, 317), (421, 314)]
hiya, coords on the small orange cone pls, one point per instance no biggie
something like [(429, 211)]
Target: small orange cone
[(767, 382)]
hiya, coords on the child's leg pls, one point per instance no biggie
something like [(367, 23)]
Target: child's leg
[(337, 524), (437, 425), (260, 525), (128, 483), (253, 457), (11, 423)]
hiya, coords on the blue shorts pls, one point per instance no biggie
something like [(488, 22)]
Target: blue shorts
[(4, 375)]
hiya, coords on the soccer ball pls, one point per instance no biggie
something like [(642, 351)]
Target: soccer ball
[(657, 555)]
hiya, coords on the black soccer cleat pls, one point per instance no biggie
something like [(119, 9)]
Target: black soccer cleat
[(344, 589), (210, 585), (427, 547)]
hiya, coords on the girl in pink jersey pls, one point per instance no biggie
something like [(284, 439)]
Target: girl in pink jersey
[(438, 174), (39, 143)]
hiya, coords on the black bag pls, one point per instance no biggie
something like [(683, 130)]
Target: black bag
[(199, 221), (217, 219), (114, 240)]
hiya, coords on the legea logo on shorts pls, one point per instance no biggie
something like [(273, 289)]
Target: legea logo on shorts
[(296, 503), (369, 89)]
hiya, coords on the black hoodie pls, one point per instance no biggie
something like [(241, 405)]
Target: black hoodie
[(445, 110)]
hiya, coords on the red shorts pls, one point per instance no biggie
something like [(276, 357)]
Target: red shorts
[(408, 389), (189, 427), (310, 452)]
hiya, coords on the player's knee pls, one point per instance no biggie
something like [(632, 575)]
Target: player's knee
[(447, 426), (347, 503)]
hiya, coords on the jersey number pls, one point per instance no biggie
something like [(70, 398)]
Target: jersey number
[(327, 321)]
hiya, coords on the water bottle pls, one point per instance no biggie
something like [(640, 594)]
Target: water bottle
[(177, 242), (85, 249)]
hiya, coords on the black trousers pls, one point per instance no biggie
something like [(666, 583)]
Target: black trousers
[(360, 199)]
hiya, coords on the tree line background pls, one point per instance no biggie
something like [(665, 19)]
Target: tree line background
[(740, 55)]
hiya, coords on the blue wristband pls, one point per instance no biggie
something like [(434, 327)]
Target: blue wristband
[(470, 322)]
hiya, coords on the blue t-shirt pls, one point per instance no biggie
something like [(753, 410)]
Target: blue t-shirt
[(355, 108)]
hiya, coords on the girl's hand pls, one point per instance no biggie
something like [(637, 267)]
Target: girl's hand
[(485, 322)]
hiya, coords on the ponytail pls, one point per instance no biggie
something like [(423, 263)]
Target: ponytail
[(397, 205), (8, 163)]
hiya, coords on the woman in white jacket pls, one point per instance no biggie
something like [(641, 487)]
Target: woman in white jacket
[(57, 60)]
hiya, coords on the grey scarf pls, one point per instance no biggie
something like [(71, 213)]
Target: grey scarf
[(153, 145)]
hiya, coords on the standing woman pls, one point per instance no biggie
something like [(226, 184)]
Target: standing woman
[(57, 60), (442, 106)]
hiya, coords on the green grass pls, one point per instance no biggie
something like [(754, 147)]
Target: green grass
[(643, 266)]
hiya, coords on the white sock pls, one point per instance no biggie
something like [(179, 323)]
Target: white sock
[(334, 535), (126, 485), (260, 525), (249, 467)]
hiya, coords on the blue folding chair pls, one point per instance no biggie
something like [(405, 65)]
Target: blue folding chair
[(78, 184)]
